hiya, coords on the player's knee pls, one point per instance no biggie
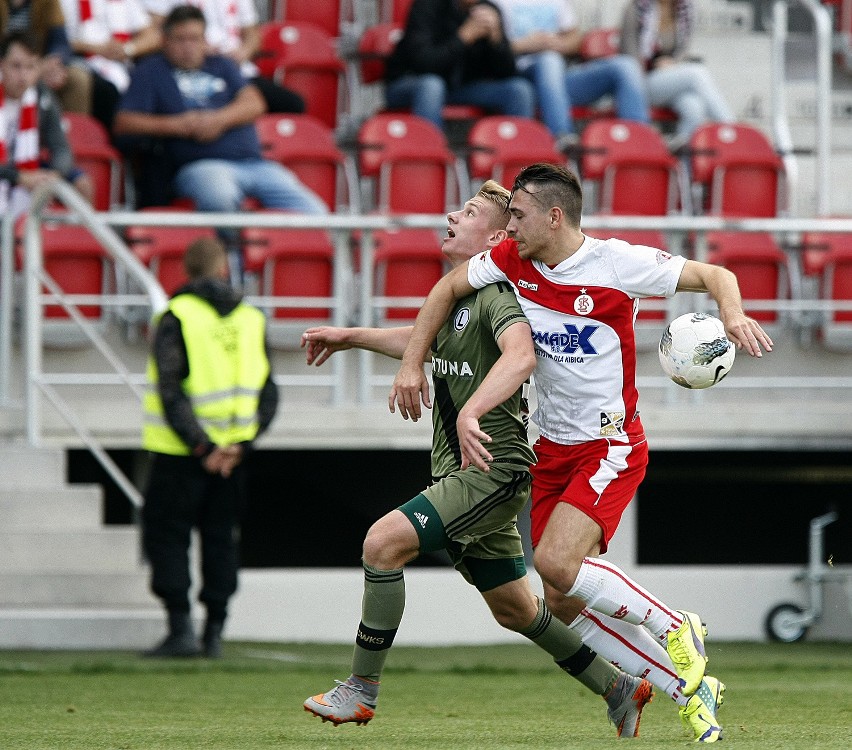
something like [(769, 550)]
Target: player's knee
[(383, 549), (555, 567)]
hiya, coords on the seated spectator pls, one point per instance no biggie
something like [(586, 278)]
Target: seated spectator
[(77, 89), (233, 31), (30, 129), (658, 33), (203, 111), (455, 52), (109, 35), (545, 35)]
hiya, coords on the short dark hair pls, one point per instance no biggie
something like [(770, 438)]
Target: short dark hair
[(557, 186), (26, 39), (182, 13), (204, 257)]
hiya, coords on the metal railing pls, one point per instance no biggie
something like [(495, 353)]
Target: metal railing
[(40, 290)]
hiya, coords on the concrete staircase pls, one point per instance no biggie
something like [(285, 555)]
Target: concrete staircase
[(66, 580)]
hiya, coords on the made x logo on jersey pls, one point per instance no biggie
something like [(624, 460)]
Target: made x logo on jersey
[(569, 342)]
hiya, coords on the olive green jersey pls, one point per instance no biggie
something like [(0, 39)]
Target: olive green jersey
[(465, 350)]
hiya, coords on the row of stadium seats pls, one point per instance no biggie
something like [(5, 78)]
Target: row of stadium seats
[(297, 264)]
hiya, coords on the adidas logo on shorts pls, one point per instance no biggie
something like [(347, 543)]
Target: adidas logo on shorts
[(420, 517)]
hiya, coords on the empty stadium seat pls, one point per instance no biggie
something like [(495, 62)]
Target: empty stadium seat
[(629, 167), (292, 263), (736, 172), (828, 256), (408, 162), (161, 249), (761, 268), (95, 155), (500, 146), (326, 14), (303, 57), (306, 146), (407, 263)]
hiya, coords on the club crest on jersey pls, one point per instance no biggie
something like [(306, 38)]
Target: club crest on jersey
[(612, 423), (584, 304), (662, 257), (462, 319)]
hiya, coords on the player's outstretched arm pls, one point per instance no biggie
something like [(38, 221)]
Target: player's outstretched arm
[(321, 342), (513, 368), (722, 286), (410, 386)]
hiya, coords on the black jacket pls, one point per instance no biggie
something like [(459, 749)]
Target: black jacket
[(173, 368), (430, 44)]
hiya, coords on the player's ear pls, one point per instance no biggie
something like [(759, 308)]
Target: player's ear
[(496, 237)]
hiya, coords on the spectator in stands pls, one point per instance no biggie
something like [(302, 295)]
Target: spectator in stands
[(657, 33), (207, 404), (233, 31), (455, 52), (203, 110), (107, 36), (30, 129), (546, 37), (78, 89)]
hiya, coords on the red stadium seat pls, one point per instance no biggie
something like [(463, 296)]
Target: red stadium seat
[(760, 266), (95, 155), (306, 146), (409, 163), (736, 171), (304, 58), (500, 146), (75, 260), (292, 263), (161, 249), (326, 13), (828, 257), (407, 263), (630, 167)]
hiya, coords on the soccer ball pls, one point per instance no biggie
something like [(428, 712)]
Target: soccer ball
[(694, 351)]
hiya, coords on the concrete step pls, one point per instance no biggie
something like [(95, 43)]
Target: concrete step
[(81, 551), (23, 465), (69, 628), (26, 589), (71, 507)]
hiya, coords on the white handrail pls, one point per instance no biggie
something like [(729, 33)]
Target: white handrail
[(780, 125)]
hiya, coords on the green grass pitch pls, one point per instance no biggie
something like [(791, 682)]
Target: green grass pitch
[(797, 697)]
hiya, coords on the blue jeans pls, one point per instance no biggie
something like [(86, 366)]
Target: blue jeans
[(427, 94), (559, 86), (689, 89), (221, 185)]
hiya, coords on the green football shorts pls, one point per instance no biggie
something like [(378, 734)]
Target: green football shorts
[(473, 515)]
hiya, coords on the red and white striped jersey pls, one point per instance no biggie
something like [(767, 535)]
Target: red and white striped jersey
[(582, 313)]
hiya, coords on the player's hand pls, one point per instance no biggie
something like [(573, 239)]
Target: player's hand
[(410, 387), (747, 334), (472, 442), (321, 342)]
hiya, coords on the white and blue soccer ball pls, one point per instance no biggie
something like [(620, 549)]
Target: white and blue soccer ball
[(695, 352)]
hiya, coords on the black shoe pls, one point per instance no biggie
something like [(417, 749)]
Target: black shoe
[(176, 647), (212, 640)]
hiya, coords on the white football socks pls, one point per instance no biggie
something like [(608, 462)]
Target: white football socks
[(631, 648), (606, 589)]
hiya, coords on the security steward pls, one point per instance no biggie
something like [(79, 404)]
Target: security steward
[(210, 394)]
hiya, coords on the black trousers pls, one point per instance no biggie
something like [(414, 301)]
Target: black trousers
[(182, 496)]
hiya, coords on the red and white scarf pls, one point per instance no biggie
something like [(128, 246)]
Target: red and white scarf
[(101, 20), (25, 149)]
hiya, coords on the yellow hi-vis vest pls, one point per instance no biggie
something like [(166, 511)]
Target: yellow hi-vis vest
[(228, 368)]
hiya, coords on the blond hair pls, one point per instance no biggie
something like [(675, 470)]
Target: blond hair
[(493, 192), (205, 258)]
